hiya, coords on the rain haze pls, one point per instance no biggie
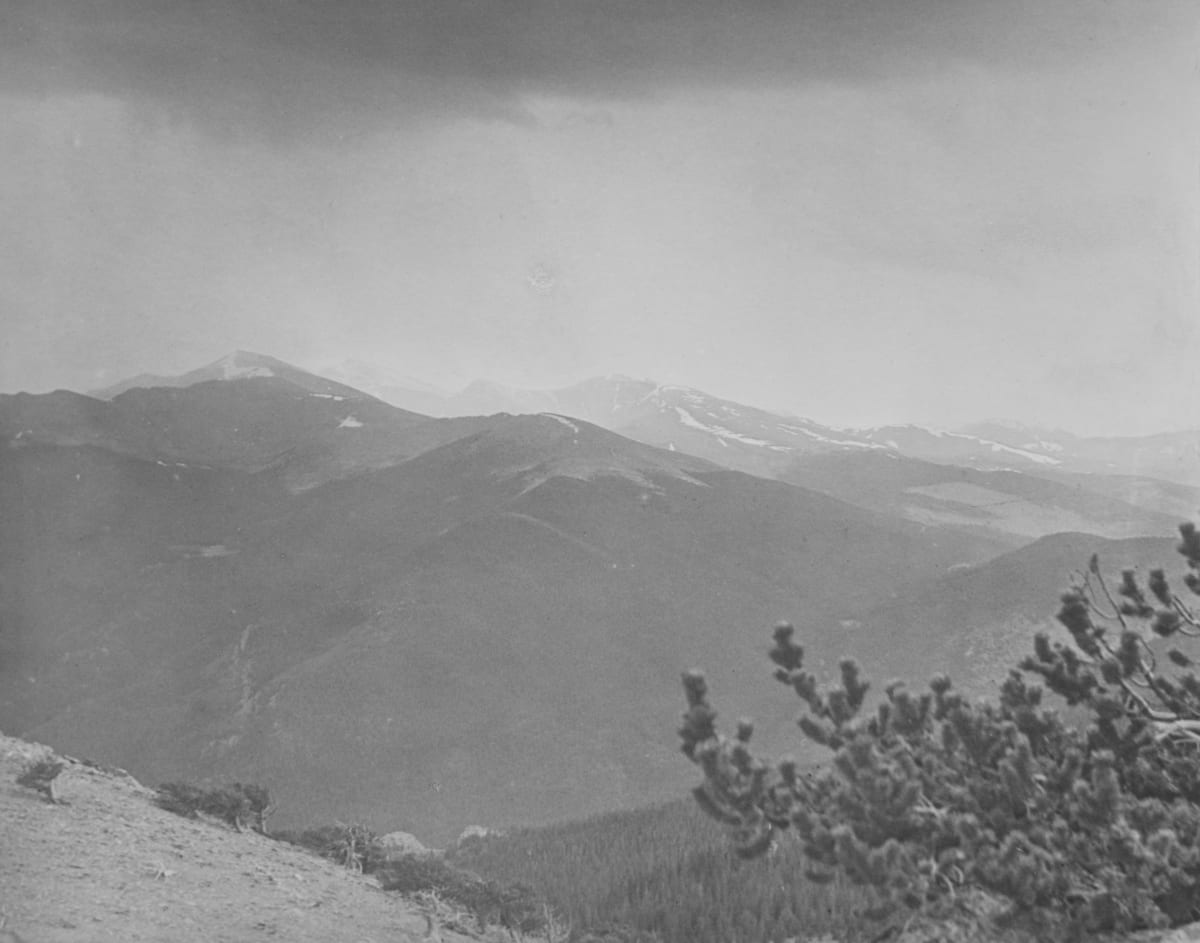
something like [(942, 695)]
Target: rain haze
[(864, 212)]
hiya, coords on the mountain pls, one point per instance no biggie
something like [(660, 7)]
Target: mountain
[(240, 365), (754, 440), (759, 441), (490, 629), (677, 418), (310, 428), (1012, 482)]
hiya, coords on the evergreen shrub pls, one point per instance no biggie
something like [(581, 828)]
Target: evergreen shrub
[(237, 804), (1093, 821), (39, 775), (352, 845)]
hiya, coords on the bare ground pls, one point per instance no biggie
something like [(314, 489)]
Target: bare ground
[(108, 864)]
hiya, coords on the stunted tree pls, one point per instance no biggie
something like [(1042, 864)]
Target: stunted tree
[(39, 775), (1094, 821)]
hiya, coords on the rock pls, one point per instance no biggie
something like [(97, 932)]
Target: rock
[(402, 845)]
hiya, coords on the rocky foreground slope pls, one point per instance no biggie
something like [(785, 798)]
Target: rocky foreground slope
[(108, 864)]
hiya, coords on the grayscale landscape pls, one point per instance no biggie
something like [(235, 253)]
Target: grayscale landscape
[(398, 399)]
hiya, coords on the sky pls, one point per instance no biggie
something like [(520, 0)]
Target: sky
[(861, 211)]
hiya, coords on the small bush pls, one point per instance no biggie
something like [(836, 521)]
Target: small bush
[(353, 846), (39, 775), (238, 804)]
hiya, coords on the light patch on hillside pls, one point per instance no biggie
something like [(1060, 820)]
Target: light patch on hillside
[(584, 469), (232, 370), (965, 504), (350, 423)]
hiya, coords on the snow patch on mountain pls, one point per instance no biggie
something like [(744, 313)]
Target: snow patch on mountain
[(1001, 447), (564, 420), (908, 439), (845, 443), (722, 433)]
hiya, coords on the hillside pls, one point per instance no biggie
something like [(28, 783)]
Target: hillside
[(977, 622), (1021, 505), (493, 629), (109, 864)]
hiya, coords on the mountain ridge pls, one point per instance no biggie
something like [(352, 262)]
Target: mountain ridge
[(752, 439)]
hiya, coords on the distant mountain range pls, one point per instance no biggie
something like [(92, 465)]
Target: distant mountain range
[(263, 574), (1015, 482), (759, 441)]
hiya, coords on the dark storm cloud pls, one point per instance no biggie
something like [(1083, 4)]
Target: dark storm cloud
[(283, 64)]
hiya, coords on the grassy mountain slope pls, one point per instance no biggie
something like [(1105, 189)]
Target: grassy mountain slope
[(977, 622), (490, 631)]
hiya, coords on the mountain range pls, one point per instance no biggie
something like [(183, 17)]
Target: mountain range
[(1014, 482), (760, 441), (265, 575)]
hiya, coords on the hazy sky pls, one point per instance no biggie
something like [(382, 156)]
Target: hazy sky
[(862, 211)]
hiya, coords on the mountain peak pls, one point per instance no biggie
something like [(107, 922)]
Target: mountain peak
[(244, 363), (237, 365)]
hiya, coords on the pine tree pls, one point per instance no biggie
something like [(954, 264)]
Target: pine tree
[(930, 795)]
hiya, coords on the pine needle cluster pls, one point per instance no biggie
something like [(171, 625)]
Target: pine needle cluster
[(930, 796)]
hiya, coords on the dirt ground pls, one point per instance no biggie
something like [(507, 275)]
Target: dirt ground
[(110, 865)]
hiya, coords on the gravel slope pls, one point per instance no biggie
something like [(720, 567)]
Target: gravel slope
[(109, 865)]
